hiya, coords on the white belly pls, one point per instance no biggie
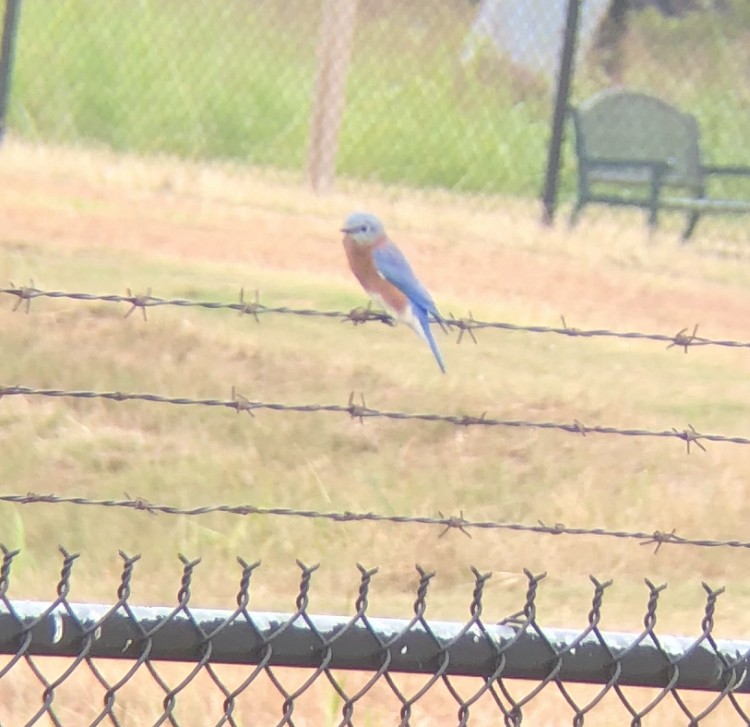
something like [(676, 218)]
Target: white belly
[(406, 316)]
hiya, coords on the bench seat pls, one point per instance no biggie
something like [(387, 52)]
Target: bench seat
[(637, 150)]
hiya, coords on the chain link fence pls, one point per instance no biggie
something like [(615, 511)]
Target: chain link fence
[(73, 663), (454, 95)]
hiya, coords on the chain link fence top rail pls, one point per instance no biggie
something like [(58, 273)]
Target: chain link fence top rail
[(429, 94), (257, 665)]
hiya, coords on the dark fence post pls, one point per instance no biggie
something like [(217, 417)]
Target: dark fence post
[(7, 52), (567, 62)]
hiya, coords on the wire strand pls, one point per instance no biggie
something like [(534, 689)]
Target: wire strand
[(465, 326), (446, 523), (362, 411)]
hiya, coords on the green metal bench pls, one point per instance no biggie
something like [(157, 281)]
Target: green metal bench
[(636, 150)]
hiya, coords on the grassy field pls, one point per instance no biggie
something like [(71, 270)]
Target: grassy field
[(100, 222), (235, 81)]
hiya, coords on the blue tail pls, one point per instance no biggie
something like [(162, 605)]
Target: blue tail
[(424, 321)]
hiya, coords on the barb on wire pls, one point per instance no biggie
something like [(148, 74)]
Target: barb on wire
[(690, 436), (569, 331), (139, 301), (581, 428), (683, 339), (659, 538), (252, 307), (445, 522), (455, 523), (24, 294), (139, 503), (242, 403), (464, 326), (362, 411), (468, 421)]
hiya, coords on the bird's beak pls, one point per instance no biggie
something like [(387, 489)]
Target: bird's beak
[(347, 230)]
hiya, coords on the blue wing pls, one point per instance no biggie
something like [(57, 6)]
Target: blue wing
[(394, 267)]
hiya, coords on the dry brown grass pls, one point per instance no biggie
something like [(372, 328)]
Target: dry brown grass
[(97, 222)]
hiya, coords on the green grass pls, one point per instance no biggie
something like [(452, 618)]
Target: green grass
[(193, 239), (235, 80), (163, 76)]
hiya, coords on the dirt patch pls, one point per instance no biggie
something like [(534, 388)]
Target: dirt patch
[(489, 257)]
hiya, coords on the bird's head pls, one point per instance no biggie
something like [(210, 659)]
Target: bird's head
[(364, 228)]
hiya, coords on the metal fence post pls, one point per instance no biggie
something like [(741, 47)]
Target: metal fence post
[(567, 61), (7, 52)]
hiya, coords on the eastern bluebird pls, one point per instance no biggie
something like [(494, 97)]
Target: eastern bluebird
[(386, 275)]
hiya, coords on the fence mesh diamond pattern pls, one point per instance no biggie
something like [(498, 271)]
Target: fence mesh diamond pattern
[(276, 668)]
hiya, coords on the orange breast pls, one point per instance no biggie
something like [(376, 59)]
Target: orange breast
[(363, 266)]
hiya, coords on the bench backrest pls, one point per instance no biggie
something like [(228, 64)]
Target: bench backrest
[(617, 124)]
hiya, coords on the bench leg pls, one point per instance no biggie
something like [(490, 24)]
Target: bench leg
[(691, 223), (653, 201), (576, 213)]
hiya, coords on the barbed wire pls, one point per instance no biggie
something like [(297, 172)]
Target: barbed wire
[(445, 522), (685, 338), (362, 411)]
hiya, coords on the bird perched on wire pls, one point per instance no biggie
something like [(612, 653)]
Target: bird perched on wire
[(386, 275)]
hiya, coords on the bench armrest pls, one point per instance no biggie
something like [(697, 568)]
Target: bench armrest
[(736, 171), (654, 166)]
